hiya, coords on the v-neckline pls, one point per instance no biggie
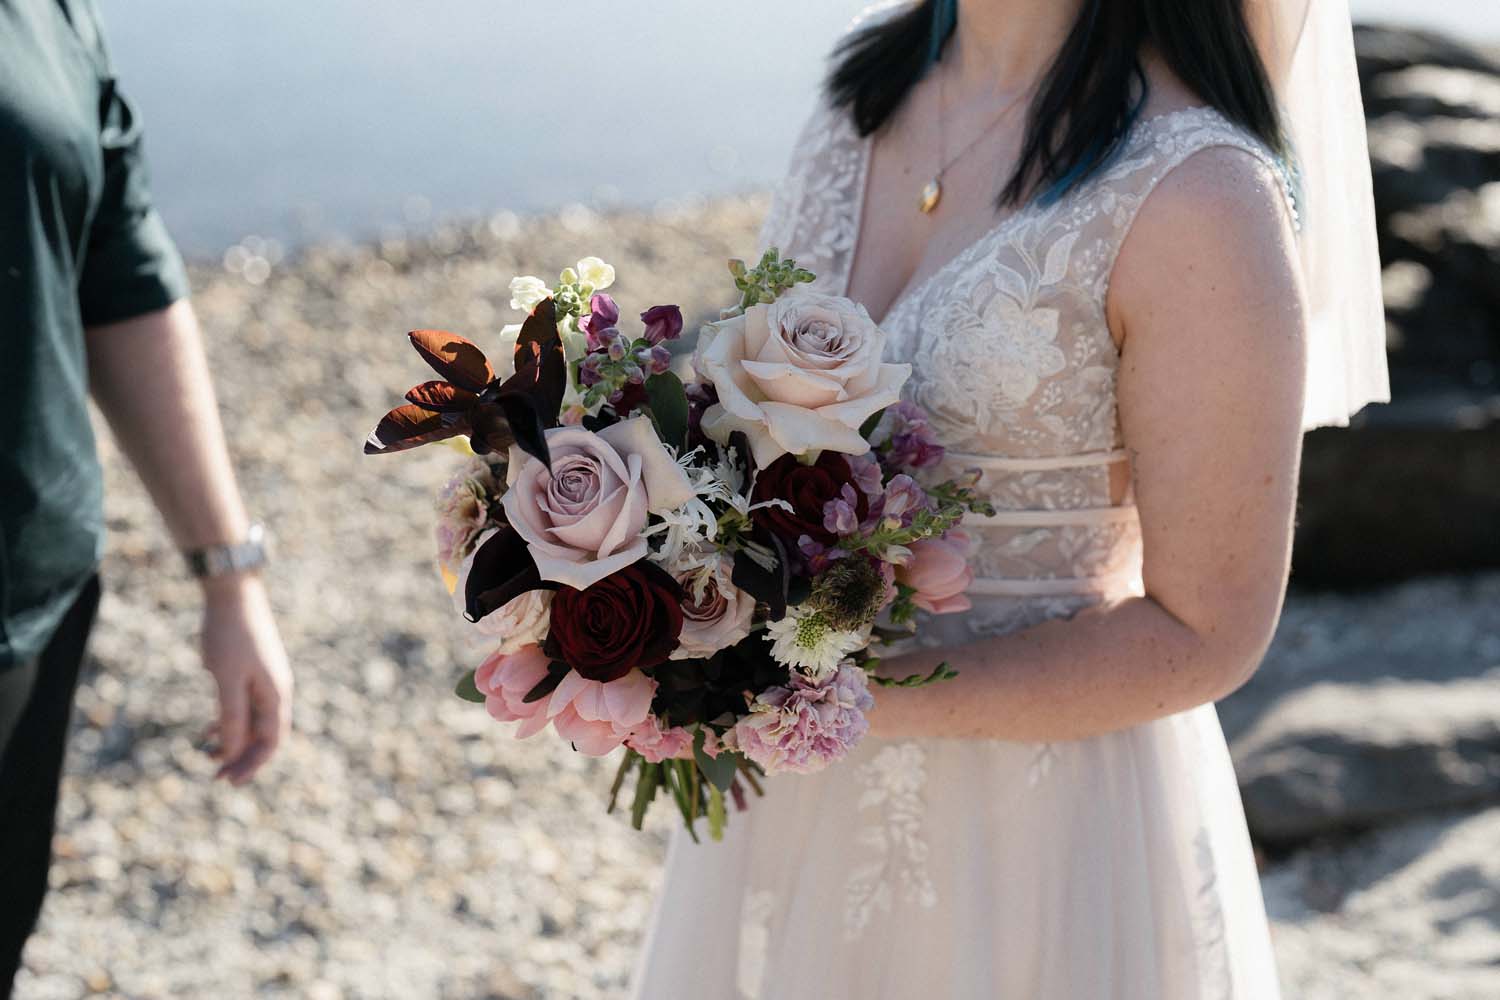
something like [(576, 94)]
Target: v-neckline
[(866, 145)]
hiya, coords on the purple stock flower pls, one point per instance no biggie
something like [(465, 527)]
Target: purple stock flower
[(902, 499), (841, 514), (654, 359), (662, 323), (599, 325), (867, 474), (905, 439), (588, 370), (816, 556), (806, 725)]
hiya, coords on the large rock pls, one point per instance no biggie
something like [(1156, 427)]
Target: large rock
[(1414, 487), (1371, 709), (1410, 912)]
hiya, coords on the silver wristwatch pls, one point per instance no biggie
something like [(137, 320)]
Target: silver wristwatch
[(221, 560)]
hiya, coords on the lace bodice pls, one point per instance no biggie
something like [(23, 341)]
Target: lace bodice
[(1011, 352)]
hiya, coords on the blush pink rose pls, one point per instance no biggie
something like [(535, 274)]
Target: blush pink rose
[(939, 572), (598, 717), (715, 613), (582, 520), (799, 375), (505, 679)]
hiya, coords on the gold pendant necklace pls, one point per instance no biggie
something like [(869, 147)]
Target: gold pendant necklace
[(932, 191)]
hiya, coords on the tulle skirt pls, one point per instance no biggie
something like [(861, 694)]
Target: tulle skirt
[(1113, 868)]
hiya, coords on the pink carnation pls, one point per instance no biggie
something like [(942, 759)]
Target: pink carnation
[(656, 744), (595, 717), (807, 725), (463, 507)]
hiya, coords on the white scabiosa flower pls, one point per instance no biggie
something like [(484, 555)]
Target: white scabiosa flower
[(593, 271), (804, 641), (526, 291)]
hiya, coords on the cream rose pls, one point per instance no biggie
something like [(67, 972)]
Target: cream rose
[(520, 622), (582, 520), (715, 613), (801, 374)]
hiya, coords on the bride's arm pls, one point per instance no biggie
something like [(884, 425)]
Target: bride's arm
[(1207, 296)]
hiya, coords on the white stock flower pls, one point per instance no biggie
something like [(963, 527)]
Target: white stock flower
[(805, 641), (526, 291), (593, 271)]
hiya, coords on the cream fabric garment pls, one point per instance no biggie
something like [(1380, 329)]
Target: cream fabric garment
[(1113, 868)]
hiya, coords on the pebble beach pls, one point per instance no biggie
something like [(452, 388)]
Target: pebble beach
[(402, 846)]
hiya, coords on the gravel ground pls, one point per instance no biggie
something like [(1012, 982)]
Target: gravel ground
[(401, 846)]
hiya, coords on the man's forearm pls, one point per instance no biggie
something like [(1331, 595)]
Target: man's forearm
[(150, 378)]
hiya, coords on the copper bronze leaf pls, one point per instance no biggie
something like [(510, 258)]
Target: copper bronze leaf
[(441, 397), (489, 432), (502, 571), (409, 426), (456, 358)]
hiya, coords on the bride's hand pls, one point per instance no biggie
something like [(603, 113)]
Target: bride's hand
[(242, 650)]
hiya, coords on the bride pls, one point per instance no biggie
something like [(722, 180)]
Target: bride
[(1102, 232)]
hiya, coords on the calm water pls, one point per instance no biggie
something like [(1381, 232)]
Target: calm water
[(304, 119)]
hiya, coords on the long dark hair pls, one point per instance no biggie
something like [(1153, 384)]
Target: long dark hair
[(1092, 93)]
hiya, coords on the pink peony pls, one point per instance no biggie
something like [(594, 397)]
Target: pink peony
[(939, 572), (582, 519), (505, 679), (656, 744), (807, 725), (598, 717)]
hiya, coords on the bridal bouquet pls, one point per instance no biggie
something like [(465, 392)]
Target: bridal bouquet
[(696, 572)]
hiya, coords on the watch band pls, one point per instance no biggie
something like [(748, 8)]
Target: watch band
[(221, 560)]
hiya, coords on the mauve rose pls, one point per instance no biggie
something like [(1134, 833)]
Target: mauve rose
[(629, 619), (939, 572), (808, 488), (801, 374), (583, 519), (715, 613)]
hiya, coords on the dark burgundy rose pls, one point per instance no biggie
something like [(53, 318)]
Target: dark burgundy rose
[(629, 619), (807, 488)]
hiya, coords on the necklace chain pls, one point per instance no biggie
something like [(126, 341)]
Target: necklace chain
[(932, 192)]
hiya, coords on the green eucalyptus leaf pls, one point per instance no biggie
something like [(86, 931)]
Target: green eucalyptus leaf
[(720, 770), (868, 427), (466, 690), (669, 407)]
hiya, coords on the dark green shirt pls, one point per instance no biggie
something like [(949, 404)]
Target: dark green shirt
[(80, 245)]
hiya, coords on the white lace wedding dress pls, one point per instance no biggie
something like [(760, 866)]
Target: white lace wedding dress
[(1112, 868)]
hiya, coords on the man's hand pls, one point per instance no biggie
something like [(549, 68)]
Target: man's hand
[(243, 651)]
